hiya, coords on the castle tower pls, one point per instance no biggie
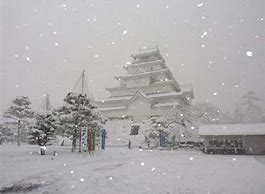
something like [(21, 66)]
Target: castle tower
[(148, 89)]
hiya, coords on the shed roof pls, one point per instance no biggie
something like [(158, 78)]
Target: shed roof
[(232, 129)]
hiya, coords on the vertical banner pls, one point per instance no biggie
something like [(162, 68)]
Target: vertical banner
[(91, 141), (94, 139), (84, 138), (103, 136)]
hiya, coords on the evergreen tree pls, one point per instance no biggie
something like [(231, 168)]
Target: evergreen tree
[(6, 134), (239, 114), (43, 130), (19, 115), (253, 113), (76, 113)]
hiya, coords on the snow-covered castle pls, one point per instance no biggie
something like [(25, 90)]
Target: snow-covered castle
[(148, 89)]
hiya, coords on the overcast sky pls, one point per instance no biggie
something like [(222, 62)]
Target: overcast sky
[(217, 45)]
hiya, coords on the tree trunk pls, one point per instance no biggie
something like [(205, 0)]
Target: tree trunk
[(18, 135), (42, 151)]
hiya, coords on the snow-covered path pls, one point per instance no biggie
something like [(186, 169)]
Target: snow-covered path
[(119, 170)]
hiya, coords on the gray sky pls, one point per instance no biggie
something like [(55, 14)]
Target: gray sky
[(60, 38)]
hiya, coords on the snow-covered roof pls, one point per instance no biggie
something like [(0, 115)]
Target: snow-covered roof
[(164, 94), (232, 129), (142, 74), (166, 104), (116, 99), (160, 61), (139, 94), (112, 108), (147, 52)]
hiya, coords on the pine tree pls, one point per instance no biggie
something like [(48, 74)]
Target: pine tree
[(253, 113), (43, 130), (6, 134), (238, 116), (76, 113), (19, 115)]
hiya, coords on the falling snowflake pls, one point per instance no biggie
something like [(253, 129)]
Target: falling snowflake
[(215, 93), (27, 59), (234, 159), (167, 54), (203, 17), (64, 164), (261, 19), (200, 4), (205, 33), (96, 56), (71, 171), (82, 180), (140, 149), (56, 43), (223, 84), (124, 32), (203, 45), (210, 62), (112, 43), (54, 32), (236, 86), (50, 23), (110, 178), (94, 19), (16, 55), (27, 48), (72, 186), (63, 5), (41, 35), (192, 127), (182, 135), (167, 6), (164, 173), (191, 158), (138, 6), (142, 163), (30, 153), (249, 53), (153, 169), (182, 64)]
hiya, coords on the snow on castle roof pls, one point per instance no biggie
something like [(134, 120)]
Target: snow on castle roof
[(232, 129), (142, 74), (147, 52)]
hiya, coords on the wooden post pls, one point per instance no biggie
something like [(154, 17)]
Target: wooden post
[(205, 145)]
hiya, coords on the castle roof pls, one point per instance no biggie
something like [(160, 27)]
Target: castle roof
[(147, 63), (142, 74), (147, 52)]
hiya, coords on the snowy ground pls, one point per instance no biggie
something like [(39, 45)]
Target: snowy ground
[(120, 170)]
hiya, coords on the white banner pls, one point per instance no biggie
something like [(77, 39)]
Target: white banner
[(84, 138)]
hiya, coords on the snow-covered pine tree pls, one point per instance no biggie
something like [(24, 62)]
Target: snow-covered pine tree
[(253, 112), (76, 113), (43, 131), (19, 116), (6, 134), (158, 129)]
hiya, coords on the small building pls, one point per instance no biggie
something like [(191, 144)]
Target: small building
[(234, 138)]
